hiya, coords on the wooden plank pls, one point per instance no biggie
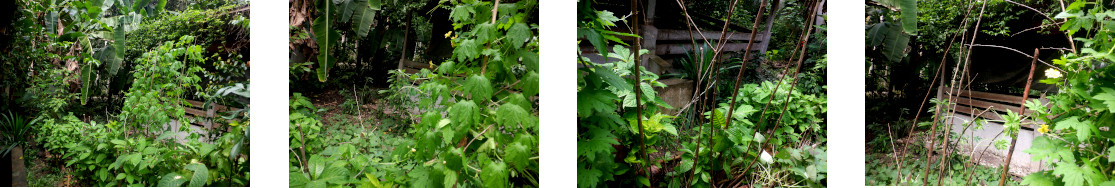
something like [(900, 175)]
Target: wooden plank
[(198, 113), (195, 112), (990, 115), (416, 65), (985, 105), (672, 34), (1011, 99), (666, 49)]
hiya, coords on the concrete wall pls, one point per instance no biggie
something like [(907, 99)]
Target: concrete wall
[(1021, 162)]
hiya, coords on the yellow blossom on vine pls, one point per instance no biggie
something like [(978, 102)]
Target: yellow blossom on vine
[(448, 33), (1044, 129), (1051, 73), (455, 36), (431, 64)]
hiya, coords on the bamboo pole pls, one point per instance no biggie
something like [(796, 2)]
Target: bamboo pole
[(1014, 138), (638, 91)]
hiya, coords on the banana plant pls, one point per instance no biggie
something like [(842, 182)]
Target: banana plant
[(89, 24), (359, 13), (894, 35)]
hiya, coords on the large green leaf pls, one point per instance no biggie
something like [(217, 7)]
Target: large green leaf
[(296, 179), (1054, 150), (895, 47), (316, 166), (347, 7), (511, 115), (461, 13), (326, 37), (464, 113), (1039, 179), (201, 174), (479, 87), (1071, 174), (453, 159), (138, 5), (466, 50), (591, 100), (118, 43), (518, 99), (367, 15), (613, 79), (174, 179), (51, 22), (529, 84), (909, 16), (876, 34), (485, 32), (1083, 129), (495, 174), (86, 81), (518, 154), (518, 35), (593, 36), (93, 8), (1108, 98)]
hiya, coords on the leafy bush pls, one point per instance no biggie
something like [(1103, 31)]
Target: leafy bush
[(479, 127), (609, 150), (1082, 109), (162, 81)]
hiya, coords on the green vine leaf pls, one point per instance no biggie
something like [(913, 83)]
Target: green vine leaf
[(1108, 98), (518, 35), (465, 113), (467, 50), (461, 13), (1071, 174), (518, 155), (591, 100), (1039, 179), (453, 159), (495, 174), (1083, 129), (510, 115), (485, 32), (479, 87), (1050, 150)]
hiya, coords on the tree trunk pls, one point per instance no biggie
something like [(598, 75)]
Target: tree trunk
[(19, 170)]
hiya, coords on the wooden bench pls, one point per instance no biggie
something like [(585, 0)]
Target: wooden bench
[(202, 117), (971, 103)]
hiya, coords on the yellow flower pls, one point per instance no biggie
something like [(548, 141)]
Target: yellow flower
[(1051, 73), (448, 33), (1044, 129), (455, 36), (431, 64)]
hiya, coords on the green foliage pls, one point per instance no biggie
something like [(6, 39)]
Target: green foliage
[(894, 34), (1081, 107), (102, 155), (883, 171), (162, 81), (358, 13), (82, 46), (14, 131), (479, 124)]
